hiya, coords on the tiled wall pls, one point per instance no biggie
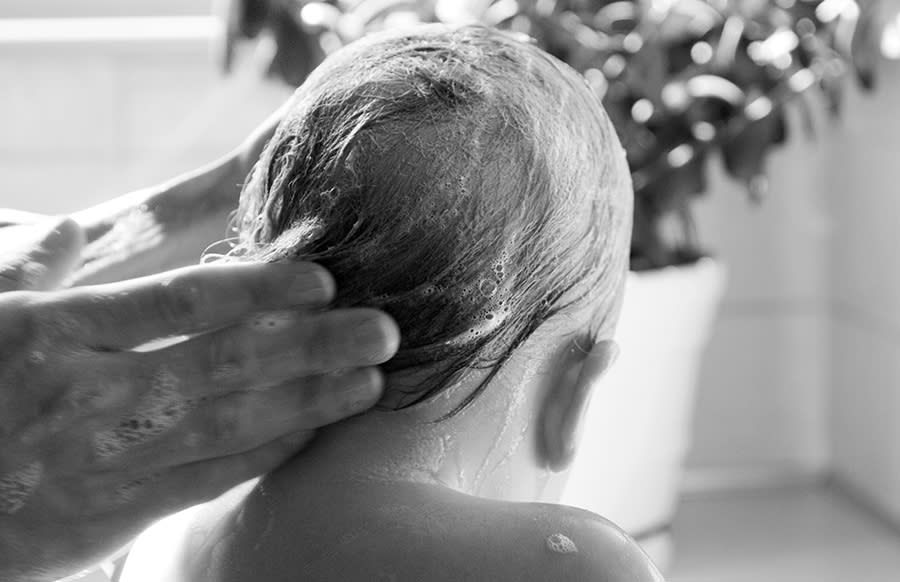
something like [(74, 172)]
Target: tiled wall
[(864, 188), (761, 399), (80, 123)]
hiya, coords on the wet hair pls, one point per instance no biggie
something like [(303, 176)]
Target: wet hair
[(463, 181)]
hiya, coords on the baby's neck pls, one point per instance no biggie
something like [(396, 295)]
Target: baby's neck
[(483, 450), (377, 446)]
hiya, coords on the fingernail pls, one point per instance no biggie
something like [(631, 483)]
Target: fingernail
[(313, 285), (369, 336), (362, 390), (375, 339)]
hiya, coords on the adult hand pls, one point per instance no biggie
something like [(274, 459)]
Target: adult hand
[(169, 225), (98, 439), (36, 252)]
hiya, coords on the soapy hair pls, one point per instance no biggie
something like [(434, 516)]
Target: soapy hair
[(459, 179)]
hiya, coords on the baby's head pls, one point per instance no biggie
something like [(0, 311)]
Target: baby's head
[(463, 181)]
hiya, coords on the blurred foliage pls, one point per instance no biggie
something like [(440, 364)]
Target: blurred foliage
[(681, 79)]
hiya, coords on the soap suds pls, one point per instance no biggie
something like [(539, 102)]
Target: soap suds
[(158, 411), (561, 544), (17, 487), (128, 492)]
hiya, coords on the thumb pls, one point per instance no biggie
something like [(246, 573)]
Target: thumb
[(39, 256)]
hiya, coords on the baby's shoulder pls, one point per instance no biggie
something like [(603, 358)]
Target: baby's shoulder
[(580, 546), (470, 538)]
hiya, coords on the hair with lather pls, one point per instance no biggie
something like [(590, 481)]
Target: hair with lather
[(461, 180)]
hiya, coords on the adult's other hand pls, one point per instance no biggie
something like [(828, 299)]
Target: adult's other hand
[(98, 438)]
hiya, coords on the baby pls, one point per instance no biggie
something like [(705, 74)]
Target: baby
[(472, 186)]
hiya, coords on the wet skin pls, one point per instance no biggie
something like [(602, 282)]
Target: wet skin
[(397, 531), (395, 496)]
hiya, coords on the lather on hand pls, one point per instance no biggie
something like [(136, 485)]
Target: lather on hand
[(97, 440)]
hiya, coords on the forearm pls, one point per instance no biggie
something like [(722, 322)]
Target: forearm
[(169, 225), (159, 228)]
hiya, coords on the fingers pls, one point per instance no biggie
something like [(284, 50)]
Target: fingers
[(38, 256), (167, 491), (277, 347), (163, 386), (127, 399), (206, 480), (244, 421), (190, 300)]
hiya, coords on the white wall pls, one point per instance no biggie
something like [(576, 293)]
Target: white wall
[(803, 372), (84, 121), (761, 398), (864, 188)]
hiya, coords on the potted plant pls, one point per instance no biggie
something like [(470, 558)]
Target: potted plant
[(682, 80)]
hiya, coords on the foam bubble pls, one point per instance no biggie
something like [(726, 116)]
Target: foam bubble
[(158, 411), (499, 266), (561, 544), (17, 487), (487, 288), (463, 186), (490, 321)]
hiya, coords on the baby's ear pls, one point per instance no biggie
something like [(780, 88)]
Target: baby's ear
[(567, 402)]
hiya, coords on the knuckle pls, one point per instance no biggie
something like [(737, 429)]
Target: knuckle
[(319, 343)]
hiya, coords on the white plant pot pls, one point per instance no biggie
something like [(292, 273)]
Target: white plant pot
[(629, 463)]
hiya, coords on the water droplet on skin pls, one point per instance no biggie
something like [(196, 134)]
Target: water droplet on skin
[(561, 544)]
